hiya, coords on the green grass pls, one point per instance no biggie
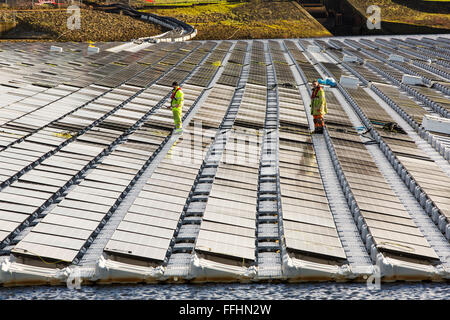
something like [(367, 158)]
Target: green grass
[(397, 13), (178, 3), (246, 20), (223, 8), (95, 26)]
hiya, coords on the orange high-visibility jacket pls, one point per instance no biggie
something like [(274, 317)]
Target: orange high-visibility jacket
[(318, 102)]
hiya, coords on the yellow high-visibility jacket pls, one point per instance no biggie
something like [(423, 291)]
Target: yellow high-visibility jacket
[(178, 99), (319, 104)]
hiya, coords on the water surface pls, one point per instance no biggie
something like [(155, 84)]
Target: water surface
[(266, 291)]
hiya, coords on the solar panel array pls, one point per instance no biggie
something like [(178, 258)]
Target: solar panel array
[(407, 152), (429, 98), (89, 146), (78, 131), (309, 227), (160, 204), (228, 227), (385, 216), (410, 155), (258, 72)]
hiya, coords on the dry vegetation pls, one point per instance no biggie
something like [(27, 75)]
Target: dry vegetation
[(251, 20), (395, 12), (95, 26)]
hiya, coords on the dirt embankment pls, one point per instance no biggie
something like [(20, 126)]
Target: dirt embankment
[(407, 13), (94, 26), (250, 20)]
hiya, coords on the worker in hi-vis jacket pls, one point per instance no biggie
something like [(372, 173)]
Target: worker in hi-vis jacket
[(318, 107), (176, 104)]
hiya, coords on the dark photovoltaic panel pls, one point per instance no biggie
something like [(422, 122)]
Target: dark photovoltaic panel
[(241, 45), (137, 144), (222, 46), (158, 207), (109, 57), (174, 75), (377, 115), (334, 69), (282, 69), (237, 55), (389, 236), (406, 103), (257, 74), (231, 73), (252, 111), (308, 69), (153, 57), (134, 57), (149, 225), (116, 79), (218, 99), (292, 114), (308, 223), (232, 209), (368, 74), (159, 65), (336, 115), (203, 75), (310, 226), (409, 154), (70, 236), (358, 165)]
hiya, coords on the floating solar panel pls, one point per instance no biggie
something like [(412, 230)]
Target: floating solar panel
[(75, 200), (401, 246), (406, 103), (152, 200), (229, 205), (251, 113), (114, 80)]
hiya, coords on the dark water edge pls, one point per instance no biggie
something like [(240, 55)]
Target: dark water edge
[(266, 291)]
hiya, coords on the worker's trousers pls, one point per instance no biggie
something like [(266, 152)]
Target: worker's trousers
[(319, 123), (177, 117)]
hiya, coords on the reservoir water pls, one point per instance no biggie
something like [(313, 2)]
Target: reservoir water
[(265, 291)]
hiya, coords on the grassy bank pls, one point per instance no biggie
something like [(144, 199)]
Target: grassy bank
[(249, 20), (397, 12), (95, 26), (174, 3)]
